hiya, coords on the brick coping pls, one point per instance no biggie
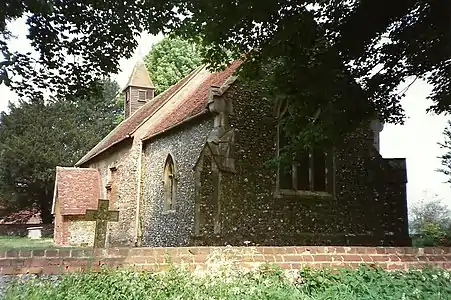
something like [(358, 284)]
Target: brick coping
[(55, 261)]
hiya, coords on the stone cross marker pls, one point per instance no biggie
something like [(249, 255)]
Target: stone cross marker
[(102, 216)]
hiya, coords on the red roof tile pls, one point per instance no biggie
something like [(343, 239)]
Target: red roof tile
[(193, 103), (76, 190), (129, 125), (188, 103)]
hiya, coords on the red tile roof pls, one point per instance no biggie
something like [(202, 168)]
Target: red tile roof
[(194, 103), (129, 125), (76, 190), (183, 100)]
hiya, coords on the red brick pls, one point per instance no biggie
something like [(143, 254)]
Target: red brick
[(306, 258), (436, 258), (295, 258), (377, 258), (38, 253), (78, 253), (360, 250), (322, 258), (351, 250), (17, 262), (337, 258), (428, 250), (267, 250), (390, 250), (25, 253), (36, 262), (394, 258), (296, 266), (352, 258), (381, 250), (289, 250), (286, 266), (408, 258), (367, 258), (370, 250), (12, 253), (51, 253), (340, 250), (259, 258), (5, 262), (279, 258), (300, 250)]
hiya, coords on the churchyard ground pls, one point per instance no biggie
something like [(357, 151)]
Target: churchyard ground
[(15, 242)]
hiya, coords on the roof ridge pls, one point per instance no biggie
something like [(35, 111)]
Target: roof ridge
[(190, 76), (215, 91), (93, 152)]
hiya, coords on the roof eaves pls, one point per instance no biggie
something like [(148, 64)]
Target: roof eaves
[(203, 112), (90, 155)]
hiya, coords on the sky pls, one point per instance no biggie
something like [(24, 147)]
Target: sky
[(417, 140)]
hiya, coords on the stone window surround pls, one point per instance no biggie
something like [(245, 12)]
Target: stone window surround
[(172, 201), (330, 177)]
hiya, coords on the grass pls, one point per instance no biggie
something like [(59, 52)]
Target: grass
[(13, 242), (268, 282)]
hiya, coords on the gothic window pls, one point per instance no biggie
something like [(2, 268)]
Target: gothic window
[(142, 95), (169, 184)]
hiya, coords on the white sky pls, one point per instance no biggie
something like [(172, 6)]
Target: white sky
[(416, 140)]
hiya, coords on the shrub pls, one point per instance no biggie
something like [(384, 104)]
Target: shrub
[(268, 282)]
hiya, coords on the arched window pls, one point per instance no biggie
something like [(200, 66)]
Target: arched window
[(169, 184)]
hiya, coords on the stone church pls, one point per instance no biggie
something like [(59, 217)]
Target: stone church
[(188, 167)]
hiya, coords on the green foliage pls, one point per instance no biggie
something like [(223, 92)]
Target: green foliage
[(267, 283), (35, 137), (14, 242), (446, 158), (318, 49), (170, 60), (430, 223)]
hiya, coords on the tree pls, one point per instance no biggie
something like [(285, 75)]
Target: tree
[(322, 56), (430, 223), (446, 158), (35, 137), (170, 60)]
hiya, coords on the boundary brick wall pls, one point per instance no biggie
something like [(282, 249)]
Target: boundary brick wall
[(57, 261)]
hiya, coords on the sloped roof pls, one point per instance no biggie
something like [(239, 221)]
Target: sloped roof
[(76, 190), (129, 125), (140, 77), (192, 103), (180, 102)]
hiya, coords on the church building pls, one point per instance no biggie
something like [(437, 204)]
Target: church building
[(189, 167)]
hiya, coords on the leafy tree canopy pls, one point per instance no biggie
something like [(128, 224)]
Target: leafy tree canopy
[(170, 60), (317, 55), (35, 137), (430, 221)]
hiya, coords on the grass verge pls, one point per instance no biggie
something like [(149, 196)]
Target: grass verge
[(268, 282)]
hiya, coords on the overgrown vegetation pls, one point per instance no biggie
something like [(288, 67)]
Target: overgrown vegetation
[(430, 223), (266, 283)]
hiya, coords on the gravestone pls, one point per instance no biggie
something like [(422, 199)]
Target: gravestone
[(102, 215), (35, 233)]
